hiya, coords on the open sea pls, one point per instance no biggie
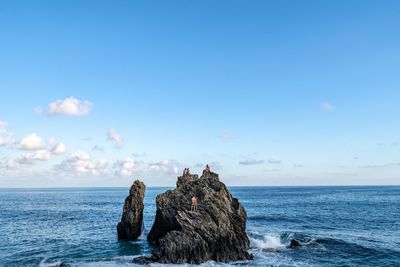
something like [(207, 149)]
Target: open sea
[(338, 226)]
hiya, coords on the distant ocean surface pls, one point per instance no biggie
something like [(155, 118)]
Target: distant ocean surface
[(338, 226)]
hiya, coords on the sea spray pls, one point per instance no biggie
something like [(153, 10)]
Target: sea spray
[(268, 242)]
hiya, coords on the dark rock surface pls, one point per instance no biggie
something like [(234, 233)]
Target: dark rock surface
[(294, 244), (215, 232), (131, 223)]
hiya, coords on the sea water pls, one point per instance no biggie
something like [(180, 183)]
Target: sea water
[(337, 226)]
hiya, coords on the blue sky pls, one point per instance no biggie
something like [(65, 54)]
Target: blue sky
[(269, 92)]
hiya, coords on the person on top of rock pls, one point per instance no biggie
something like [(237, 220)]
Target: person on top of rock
[(194, 204), (208, 169), (186, 171)]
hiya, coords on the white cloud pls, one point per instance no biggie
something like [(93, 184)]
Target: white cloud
[(251, 162), (114, 136), (77, 156), (12, 164), (225, 136), (58, 149), (2, 125), (163, 168), (376, 166), (139, 155), (8, 167), (80, 163), (6, 137), (31, 142), (298, 165), (39, 110), (274, 161), (97, 148), (215, 165), (34, 157), (272, 170), (167, 167), (36, 152), (125, 167), (52, 141), (69, 106), (389, 144), (327, 106), (97, 166)]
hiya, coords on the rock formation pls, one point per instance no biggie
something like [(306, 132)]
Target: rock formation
[(294, 243), (131, 223), (215, 232)]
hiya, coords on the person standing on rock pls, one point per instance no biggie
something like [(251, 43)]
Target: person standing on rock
[(194, 204), (208, 169)]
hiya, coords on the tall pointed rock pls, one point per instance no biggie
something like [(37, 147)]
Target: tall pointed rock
[(131, 223)]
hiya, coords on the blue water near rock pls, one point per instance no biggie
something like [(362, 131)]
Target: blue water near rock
[(338, 226)]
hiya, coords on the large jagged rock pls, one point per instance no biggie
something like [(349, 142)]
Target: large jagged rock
[(131, 223), (215, 232)]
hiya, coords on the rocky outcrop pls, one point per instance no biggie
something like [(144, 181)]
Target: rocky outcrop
[(294, 243), (131, 223), (216, 231)]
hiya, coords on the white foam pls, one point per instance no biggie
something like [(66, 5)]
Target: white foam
[(270, 242), (43, 263), (114, 262), (127, 261)]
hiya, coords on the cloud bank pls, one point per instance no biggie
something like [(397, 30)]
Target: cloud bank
[(80, 163)]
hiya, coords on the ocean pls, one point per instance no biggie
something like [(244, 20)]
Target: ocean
[(337, 226)]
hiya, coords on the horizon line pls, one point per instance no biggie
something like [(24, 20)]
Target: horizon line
[(241, 186)]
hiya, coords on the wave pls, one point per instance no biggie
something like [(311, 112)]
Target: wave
[(45, 263), (127, 261), (268, 242), (280, 241), (116, 261)]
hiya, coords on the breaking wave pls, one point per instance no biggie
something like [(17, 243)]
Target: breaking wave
[(268, 242)]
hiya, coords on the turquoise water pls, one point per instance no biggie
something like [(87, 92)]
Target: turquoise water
[(338, 226)]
